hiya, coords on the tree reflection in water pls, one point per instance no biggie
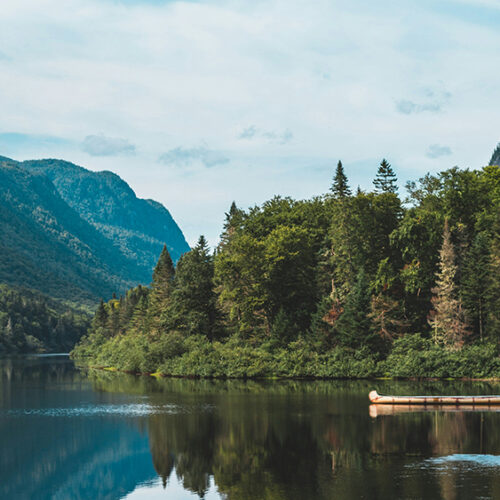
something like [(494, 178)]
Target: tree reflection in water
[(286, 440)]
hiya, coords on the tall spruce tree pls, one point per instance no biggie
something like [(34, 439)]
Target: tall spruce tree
[(233, 220), (353, 326), (386, 180), (493, 292), (340, 187), (101, 317), (159, 297), (447, 317), (193, 301), (475, 283), (139, 321)]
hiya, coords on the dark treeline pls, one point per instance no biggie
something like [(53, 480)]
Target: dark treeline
[(32, 322), (347, 284)]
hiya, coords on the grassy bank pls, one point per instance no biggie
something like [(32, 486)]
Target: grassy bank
[(194, 356)]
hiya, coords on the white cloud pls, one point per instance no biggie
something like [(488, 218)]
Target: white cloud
[(252, 132), (100, 145), (242, 76), (186, 156), (437, 150)]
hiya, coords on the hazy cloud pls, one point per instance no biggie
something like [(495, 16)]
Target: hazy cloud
[(437, 150), (409, 107), (252, 132), (248, 133), (432, 101), (186, 156), (100, 145)]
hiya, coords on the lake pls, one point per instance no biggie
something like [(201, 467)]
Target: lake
[(67, 433)]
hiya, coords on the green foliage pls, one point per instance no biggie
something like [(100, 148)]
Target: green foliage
[(32, 322), (475, 286), (193, 302), (161, 290), (328, 287), (353, 325), (416, 356)]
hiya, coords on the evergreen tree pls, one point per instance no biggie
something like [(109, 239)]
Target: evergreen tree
[(159, 297), (386, 180), (340, 188), (193, 300), (113, 326), (447, 318), (475, 283), (493, 291), (353, 325), (101, 317), (139, 321), (324, 320), (233, 220)]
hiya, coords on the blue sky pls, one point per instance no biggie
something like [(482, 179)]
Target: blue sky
[(196, 104)]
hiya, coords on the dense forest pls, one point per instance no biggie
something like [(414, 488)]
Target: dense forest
[(348, 284), (32, 322)]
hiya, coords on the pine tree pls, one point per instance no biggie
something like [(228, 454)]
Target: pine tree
[(113, 325), (233, 220), (493, 291), (193, 301), (340, 188), (353, 325), (447, 318), (386, 180), (139, 321), (324, 320), (475, 282), (159, 297), (101, 317)]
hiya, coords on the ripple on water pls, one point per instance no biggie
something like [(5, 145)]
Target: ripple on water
[(460, 461), (123, 410)]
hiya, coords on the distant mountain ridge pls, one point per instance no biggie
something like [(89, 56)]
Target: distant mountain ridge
[(495, 158), (77, 234)]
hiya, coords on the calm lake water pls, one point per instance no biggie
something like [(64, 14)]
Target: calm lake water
[(70, 434)]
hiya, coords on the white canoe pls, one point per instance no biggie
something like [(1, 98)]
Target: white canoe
[(377, 398)]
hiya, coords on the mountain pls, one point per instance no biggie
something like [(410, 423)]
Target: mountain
[(495, 158), (139, 227), (76, 234)]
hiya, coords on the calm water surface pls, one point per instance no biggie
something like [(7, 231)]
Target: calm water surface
[(69, 434)]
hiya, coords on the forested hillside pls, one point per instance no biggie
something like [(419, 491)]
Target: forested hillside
[(29, 322), (346, 284), (75, 234), (139, 227)]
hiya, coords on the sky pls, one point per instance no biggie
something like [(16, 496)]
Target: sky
[(197, 104)]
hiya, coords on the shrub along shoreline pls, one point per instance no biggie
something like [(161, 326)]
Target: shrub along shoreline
[(412, 356)]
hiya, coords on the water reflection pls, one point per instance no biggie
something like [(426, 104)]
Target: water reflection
[(378, 410), (67, 434)]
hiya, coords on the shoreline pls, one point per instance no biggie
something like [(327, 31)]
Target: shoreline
[(158, 375)]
